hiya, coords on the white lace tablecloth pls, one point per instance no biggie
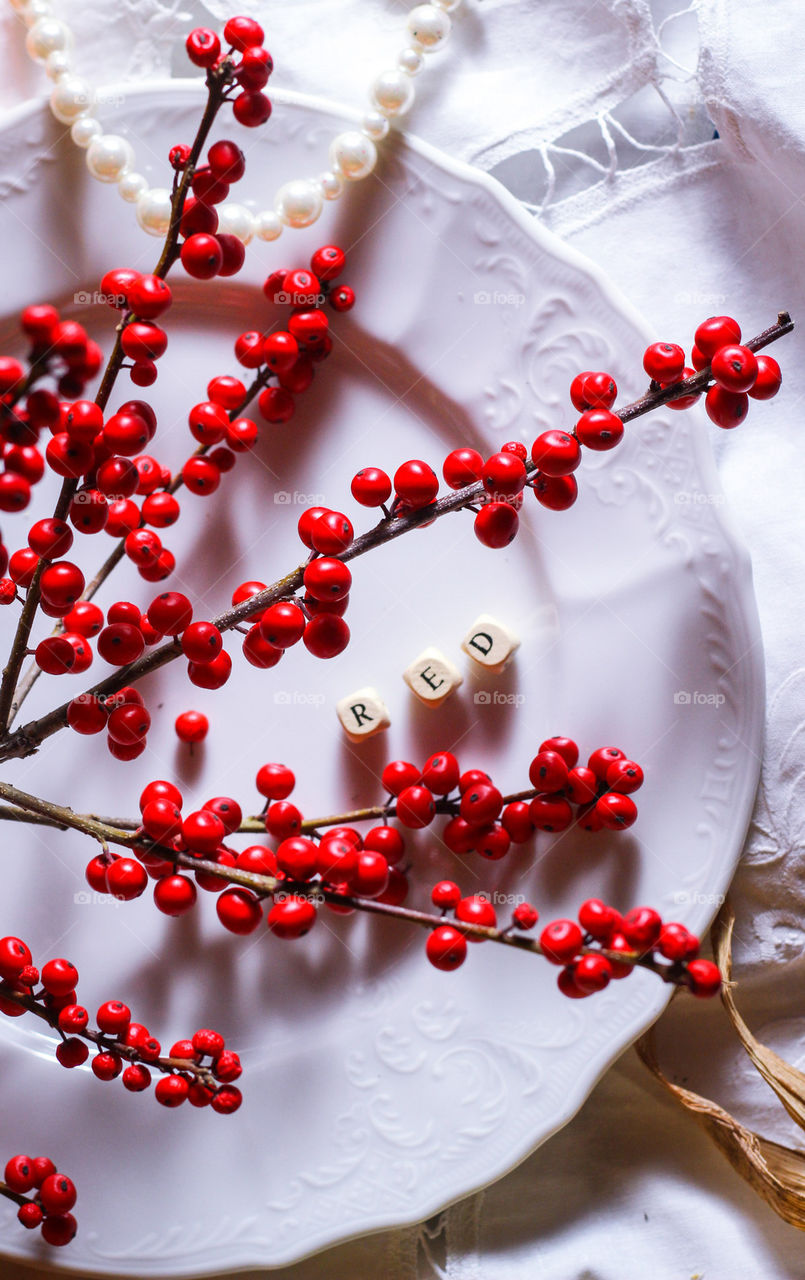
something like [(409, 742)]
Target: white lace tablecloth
[(602, 117)]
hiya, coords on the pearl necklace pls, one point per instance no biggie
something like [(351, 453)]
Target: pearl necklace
[(352, 156)]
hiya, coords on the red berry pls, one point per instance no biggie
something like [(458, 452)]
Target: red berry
[(599, 920), (599, 429), (440, 773), (496, 525), (227, 161), (642, 927), (126, 879), (57, 1194), (282, 624), (174, 895), (592, 974), (398, 775), (283, 819), (769, 379), (19, 1174), (664, 361), (556, 453), (624, 776), (326, 636), (446, 948), (445, 895), (203, 47), (675, 942), (476, 910), (525, 916), (557, 493), (201, 642), (72, 1053), (14, 957), (550, 813), (601, 760), (242, 33), (385, 840), (239, 911), (560, 941), (275, 781), (517, 822), (480, 803), (59, 1229), (202, 256), (548, 771), (726, 408), (113, 1017), (59, 977), (30, 1215), (504, 475), (615, 811), (192, 726), (462, 467), (136, 1077), (251, 108), (342, 298), (120, 644), (416, 483), (415, 807), (331, 534), (704, 978), (291, 917), (593, 391), (715, 333)]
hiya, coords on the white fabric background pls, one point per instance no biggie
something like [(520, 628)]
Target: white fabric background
[(600, 117)]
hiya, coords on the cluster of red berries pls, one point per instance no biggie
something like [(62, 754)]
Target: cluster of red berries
[(638, 934), (247, 65), (143, 298), (209, 1069), (587, 951), (737, 372), (205, 251), (291, 353), (54, 1197), (63, 349)]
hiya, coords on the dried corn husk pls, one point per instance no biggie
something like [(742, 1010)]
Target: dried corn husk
[(775, 1172)]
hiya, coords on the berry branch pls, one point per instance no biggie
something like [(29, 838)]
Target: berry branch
[(218, 79), (27, 739)]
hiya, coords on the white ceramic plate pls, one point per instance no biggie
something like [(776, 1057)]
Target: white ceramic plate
[(376, 1089)]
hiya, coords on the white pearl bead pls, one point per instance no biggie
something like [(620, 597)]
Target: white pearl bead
[(448, 5), (58, 64), (375, 125), (392, 93), (109, 157), (71, 97), (48, 35), (298, 203), (236, 220), (267, 226), (353, 155), (331, 184), (154, 211), (410, 61), (34, 11), (428, 26), (131, 186), (85, 130)]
